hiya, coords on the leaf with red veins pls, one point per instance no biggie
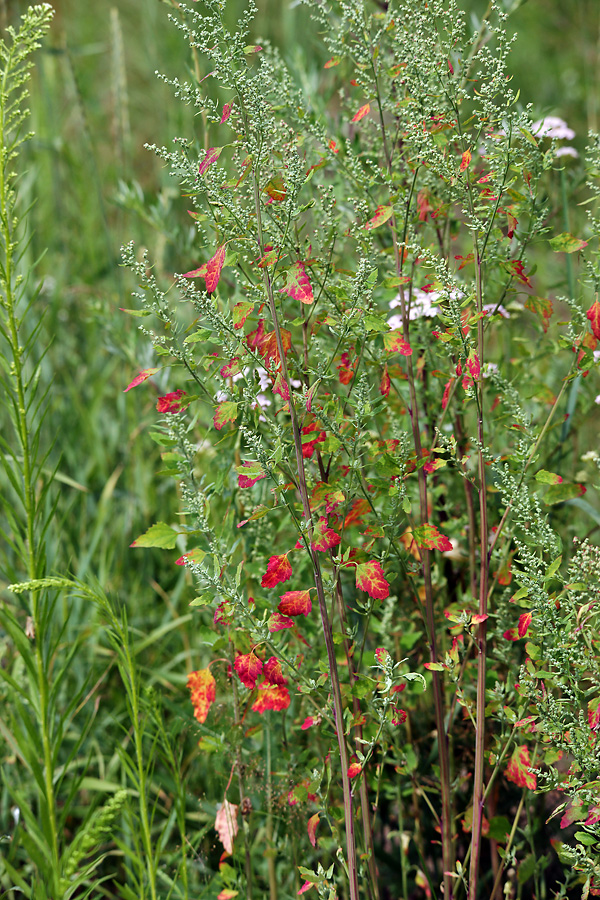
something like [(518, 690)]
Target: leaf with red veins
[(328, 494), (268, 348), (225, 412), (428, 536), (370, 578), (271, 696), (210, 157), (298, 285), (383, 656), (213, 269), (593, 314), (385, 384), (200, 272), (382, 214), (517, 770), (277, 622), (249, 478), (312, 828), (594, 714), (295, 603), (354, 769), (362, 112), (226, 112), (202, 687), (281, 387), (393, 342), (231, 368), (249, 667), (518, 270), (308, 447), (324, 538), (170, 403), (465, 160), (140, 378), (226, 824), (272, 672), (279, 569), (241, 311), (473, 364), (524, 623)]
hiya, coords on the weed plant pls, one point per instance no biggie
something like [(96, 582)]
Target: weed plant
[(366, 395)]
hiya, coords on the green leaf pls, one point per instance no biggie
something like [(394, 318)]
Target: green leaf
[(159, 535), (584, 838), (558, 493), (566, 243), (545, 477)]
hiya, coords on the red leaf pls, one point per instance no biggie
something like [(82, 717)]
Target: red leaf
[(279, 569), (143, 376), (382, 214), (517, 769), (511, 634), (395, 343), (382, 656), (170, 402), (594, 714), (256, 474), (248, 667), (200, 272), (333, 146), (593, 314), (275, 188), (465, 161), (370, 578), (202, 687), (268, 348), (361, 113), (277, 622), (423, 204), (328, 494), (473, 364), (271, 696), (241, 311), (518, 271), (309, 722), (272, 672), (358, 509), (212, 155), (428, 536), (385, 384), (334, 61), (312, 828), (308, 447), (354, 769), (305, 887), (295, 603), (225, 412), (231, 368), (324, 538), (281, 387), (574, 813), (213, 269), (298, 285), (226, 112), (524, 623), (542, 307)]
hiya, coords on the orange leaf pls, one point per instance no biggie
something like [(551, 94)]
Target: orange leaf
[(428, 536), (143, 375), (278, 569), (354, 769), (517, 770), (295, 603), (394, 342), (271, 696), (370, 578), (361, 113), (524, 623), (312, 828), (466, 159), (213, 269), (202, 688)]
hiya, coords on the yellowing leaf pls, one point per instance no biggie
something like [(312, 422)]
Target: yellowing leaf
[(362, 112)]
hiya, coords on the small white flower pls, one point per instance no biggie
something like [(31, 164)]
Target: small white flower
[(553, 127), (597, 400), (422, 305), (220, 396), (596, 355)]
